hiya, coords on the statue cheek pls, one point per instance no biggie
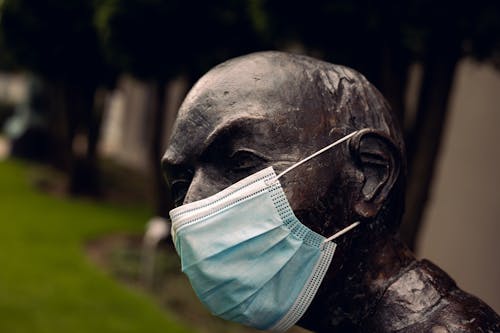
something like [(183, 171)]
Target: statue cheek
[(308, 190)]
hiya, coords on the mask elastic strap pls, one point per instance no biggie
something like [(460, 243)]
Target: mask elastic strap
[(345, 138), (341, 232)]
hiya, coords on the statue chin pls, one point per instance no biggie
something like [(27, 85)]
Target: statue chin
[(274, 109)]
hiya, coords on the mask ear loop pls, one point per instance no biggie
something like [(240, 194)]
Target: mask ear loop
[(270, 182), (341, 232), (345, 138)]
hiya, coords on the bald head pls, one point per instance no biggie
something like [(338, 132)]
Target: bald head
[(274, 109), (308, 94)]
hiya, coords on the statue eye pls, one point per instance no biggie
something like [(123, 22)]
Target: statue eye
[(244, 160), (179, 189), (179, 186)]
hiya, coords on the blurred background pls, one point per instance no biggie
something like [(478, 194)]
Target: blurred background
[(88, 94)]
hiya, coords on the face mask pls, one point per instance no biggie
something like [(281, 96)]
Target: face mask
[(247, 256)]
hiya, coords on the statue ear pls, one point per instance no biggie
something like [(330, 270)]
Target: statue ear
[(379, 160)]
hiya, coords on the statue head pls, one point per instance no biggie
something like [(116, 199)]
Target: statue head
[(274, 109)]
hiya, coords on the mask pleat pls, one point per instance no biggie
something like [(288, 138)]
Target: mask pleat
[(230, 228), (282, 288), (216, 285), (283, 233)]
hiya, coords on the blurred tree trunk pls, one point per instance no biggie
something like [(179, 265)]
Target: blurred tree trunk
[(393, 78), (162, 197), (60, 137), (167, 99), (83, 123), (85, 176), (424, 138), (73, 125), (93, 136)]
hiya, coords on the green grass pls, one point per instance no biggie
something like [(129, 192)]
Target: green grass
[(46, 282)]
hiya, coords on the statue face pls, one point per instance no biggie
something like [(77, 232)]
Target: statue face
[(275, 109), (242, 118)]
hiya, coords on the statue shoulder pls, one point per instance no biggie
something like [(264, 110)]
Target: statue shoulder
[(425, 299)]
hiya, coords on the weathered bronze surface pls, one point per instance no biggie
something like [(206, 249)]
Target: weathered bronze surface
[(274, 108)]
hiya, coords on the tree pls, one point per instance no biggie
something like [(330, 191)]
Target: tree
[(157, 40), (382, 40), (57, 41)]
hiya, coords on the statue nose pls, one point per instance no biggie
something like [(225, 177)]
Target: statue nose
[(202, 186)]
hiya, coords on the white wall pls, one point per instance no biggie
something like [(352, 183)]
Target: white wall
[(461, 233), (13, 88), (127, 123)]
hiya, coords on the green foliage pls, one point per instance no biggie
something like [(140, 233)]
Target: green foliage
[(160, 39), (7, 61), (53, 38), (46, 283), (361, 33)]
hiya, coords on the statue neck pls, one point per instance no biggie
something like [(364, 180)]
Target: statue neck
[(349, 297)]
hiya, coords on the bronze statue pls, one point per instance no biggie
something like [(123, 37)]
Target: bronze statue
[(273, 109)]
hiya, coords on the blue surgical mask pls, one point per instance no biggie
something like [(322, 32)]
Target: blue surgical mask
[(247, 256)]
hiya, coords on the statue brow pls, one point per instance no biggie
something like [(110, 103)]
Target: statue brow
[(227, 128)]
